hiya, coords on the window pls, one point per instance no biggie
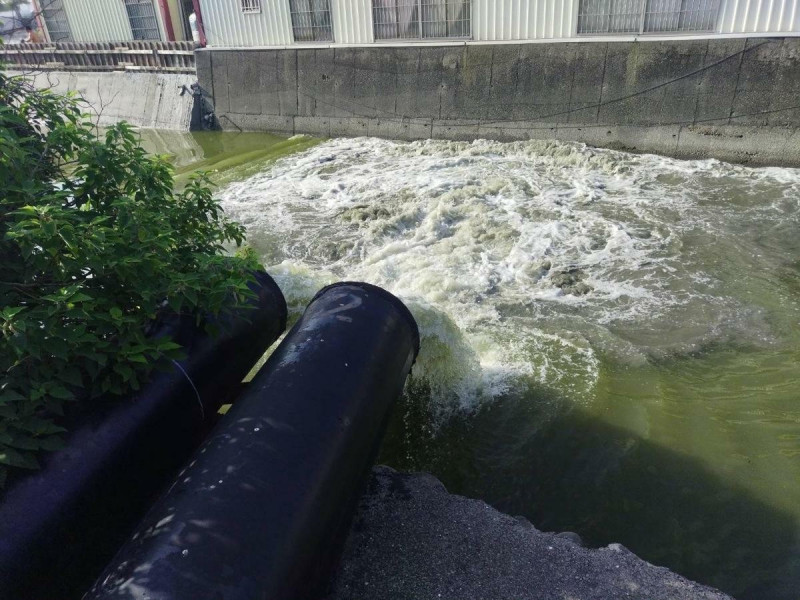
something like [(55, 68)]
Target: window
[(55, 17), (421, 19), (681, 15), (251, 6), (311, 20), (646, 16), (142, 17)]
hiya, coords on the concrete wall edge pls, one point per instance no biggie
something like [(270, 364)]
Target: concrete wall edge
[(570, 40)]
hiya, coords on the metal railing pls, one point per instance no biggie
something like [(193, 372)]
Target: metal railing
[(177, 57), (421, 19), (311, 20), (646, 16)]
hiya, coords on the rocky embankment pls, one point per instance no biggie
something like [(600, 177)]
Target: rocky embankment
[(413, 540)]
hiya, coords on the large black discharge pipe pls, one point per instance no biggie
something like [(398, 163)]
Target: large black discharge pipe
[(264, 505), (60, 526)]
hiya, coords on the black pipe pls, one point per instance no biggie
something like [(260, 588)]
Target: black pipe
[(60, 526), (264, 505)]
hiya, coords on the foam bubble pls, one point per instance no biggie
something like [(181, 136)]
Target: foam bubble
[(520, 260)]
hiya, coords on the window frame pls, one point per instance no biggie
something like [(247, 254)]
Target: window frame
[(250, 7), (312, 27), (420, 37), (642, 17), (65, 21), (156, 20)]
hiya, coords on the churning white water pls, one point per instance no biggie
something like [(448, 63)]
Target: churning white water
[(524, 261)]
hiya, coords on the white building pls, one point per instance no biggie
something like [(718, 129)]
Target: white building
[(278, 23), (114, 20)]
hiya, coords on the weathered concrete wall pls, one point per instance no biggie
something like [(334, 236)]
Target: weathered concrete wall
[(734, 99), (142, 99)]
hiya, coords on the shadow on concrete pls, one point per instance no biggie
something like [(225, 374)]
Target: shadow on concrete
[(570, 472)]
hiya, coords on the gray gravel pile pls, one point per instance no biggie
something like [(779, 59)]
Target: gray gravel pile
[(411, 539)]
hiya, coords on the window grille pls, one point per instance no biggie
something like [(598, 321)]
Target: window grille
[(646, 16), (681, 15), (311, 20), (251, 6), (421, 19), (55, 17), (142, 17)]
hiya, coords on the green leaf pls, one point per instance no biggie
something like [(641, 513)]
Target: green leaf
[(15, 458), (97, 239), (167, 344), (71, 376), (124, 370), (58, 391), (10, 396), (10, 311)]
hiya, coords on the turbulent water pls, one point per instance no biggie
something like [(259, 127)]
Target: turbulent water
[(610, 342)]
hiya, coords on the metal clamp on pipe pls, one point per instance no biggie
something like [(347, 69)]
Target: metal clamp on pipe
[(60, 526), (263, 507)]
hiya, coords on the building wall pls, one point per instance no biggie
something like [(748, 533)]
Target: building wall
[(492, 20), (523, 19), (759, 16), (176, 17), (226, 25), (97, 20), (497, 20), (102, 20), (352, 21)]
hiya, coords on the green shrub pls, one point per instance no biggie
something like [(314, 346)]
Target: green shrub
[(94, 245)]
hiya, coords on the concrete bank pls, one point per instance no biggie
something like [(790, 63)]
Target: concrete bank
[(143, 99), (733, 99), (412, 540)]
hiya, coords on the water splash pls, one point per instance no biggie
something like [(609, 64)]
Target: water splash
[(523, 261)]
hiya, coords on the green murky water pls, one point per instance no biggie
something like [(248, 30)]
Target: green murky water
[(225, 157), (611, 342)]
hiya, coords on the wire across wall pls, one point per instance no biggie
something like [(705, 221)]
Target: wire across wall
[(421, 19)]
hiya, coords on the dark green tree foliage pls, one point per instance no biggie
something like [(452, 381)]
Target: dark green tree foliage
[(94, 245)]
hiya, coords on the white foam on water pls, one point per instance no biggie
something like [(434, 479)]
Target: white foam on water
[(521, 261)]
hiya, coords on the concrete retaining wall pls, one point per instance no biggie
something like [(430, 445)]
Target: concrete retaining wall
[(142, 99), (733, 99)]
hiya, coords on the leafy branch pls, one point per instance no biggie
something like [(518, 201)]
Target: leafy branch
[(95, 245)]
